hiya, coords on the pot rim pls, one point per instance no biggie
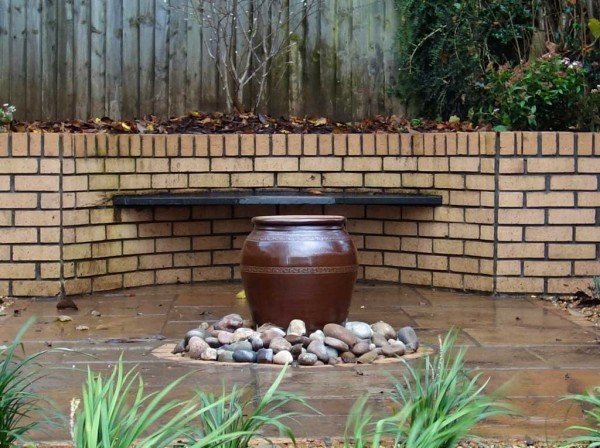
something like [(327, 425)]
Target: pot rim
[(299, 220)]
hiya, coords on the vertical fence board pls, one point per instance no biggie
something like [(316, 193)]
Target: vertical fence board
[(193, 73), (98, 58), (18, 61), (296, 59), (390, 67), (311, 74), (343, 74), (49, 27), (131, 59), (5, 52), (327, 55), (161, 58), (146, 57), (177, 55), (33, 80), (114, 45), (279, 86), (81, 16), (376, 46), (66, 96), (360, 57)]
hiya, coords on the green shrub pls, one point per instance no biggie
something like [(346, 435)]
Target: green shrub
[(444, 49), (233, 414), (21, 410), (548, 93), (115, 412), (438, 404), (591, 401), (6, 115)]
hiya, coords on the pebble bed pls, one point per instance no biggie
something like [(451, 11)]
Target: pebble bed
[(230, 341)]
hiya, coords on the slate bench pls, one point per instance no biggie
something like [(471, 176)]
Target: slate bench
[(271, 197)]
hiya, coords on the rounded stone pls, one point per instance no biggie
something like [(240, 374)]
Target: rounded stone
[(210, 354), (196, 347), (224, 356), (213, 342), (179, 348), (243, 333), (294, 338), (318, 348), (264, 356), (297, 350), (332, 352), (225, 337), (384, 329), (409, 337), (279, 344), (379, 340), (257, 342), (283, 357), (336, 344), (230, 323), (297, 326), (244, 356), (269, 334), (195, 332), (396, 349), (341, 333), (240, 345), (368, 357), (334, 361), (317, 335), (348, 357), (361, 330), (307, 359), (360, 348)]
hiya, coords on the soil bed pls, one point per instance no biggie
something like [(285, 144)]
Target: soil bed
[(219, 123)]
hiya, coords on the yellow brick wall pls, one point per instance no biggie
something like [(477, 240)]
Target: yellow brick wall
[(519, 212)]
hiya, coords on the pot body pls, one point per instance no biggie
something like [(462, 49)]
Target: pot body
[(299, 267)]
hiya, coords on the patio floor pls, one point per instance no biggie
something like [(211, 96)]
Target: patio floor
[(542, 351)]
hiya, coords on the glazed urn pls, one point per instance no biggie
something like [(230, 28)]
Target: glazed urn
[(299, 267)]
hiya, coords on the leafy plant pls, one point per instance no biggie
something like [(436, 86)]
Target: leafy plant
[(107, 419), (18, 404), (438, 404), (230, 414), (6, 114), (591, 400), (544, 94), (445, 47)]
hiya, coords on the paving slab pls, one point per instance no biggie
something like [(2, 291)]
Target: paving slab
[(534, 353)]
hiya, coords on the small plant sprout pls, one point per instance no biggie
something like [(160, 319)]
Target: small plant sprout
[(6, 114), (437, 404), (591, 402), (241, 420), (21, 409)]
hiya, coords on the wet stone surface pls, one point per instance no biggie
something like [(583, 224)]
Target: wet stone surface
[(356, 342)]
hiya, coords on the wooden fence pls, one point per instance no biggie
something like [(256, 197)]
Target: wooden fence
[(62, 59)]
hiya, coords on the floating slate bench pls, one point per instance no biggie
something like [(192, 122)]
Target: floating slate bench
[(273, 198)]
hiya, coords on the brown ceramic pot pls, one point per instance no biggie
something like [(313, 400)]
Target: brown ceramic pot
[(299, 267)]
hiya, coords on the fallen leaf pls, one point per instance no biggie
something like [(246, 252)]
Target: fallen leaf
[(82, 328), (64, 318), (241, 295)]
